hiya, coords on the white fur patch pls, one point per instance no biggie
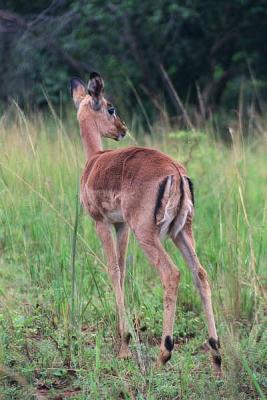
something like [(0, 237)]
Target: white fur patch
[(169, 212), (171, 216), (115, 216)]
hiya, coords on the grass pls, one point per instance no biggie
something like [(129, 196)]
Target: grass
[(58, 335)]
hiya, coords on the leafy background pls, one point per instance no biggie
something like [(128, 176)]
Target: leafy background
[(207, 48)]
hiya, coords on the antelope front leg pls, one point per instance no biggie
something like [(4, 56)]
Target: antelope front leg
[(185, 243), (170, 277), (105, 234)]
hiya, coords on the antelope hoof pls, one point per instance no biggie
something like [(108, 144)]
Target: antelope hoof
[(164, 357), (217, 370), (166, 351), (124, 353), (214, 346)]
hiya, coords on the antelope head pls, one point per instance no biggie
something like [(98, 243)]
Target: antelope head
[(94, 110)]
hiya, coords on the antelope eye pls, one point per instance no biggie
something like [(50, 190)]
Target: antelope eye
[(111, 110)]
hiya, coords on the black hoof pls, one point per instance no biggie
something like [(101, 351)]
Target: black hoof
[(216, 357)]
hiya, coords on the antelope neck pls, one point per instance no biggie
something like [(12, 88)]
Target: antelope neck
[(91, 138)]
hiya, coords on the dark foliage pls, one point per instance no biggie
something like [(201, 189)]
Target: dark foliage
[(205, 48)]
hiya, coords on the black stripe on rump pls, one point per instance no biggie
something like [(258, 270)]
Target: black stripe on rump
[(191, 188), (161, 191), (181, 193)]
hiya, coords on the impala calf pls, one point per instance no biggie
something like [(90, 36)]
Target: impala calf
[(148, 192)]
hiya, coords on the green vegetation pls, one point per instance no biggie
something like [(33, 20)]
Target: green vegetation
[(208, 49), (58, 335), (180, 73)]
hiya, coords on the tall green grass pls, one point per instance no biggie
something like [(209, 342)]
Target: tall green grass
[(58, 323)]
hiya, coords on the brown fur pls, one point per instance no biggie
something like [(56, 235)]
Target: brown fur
[(121, 188), (112, 181)]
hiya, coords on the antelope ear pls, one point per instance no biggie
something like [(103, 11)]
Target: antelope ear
[(78, 90), (95, 85)]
